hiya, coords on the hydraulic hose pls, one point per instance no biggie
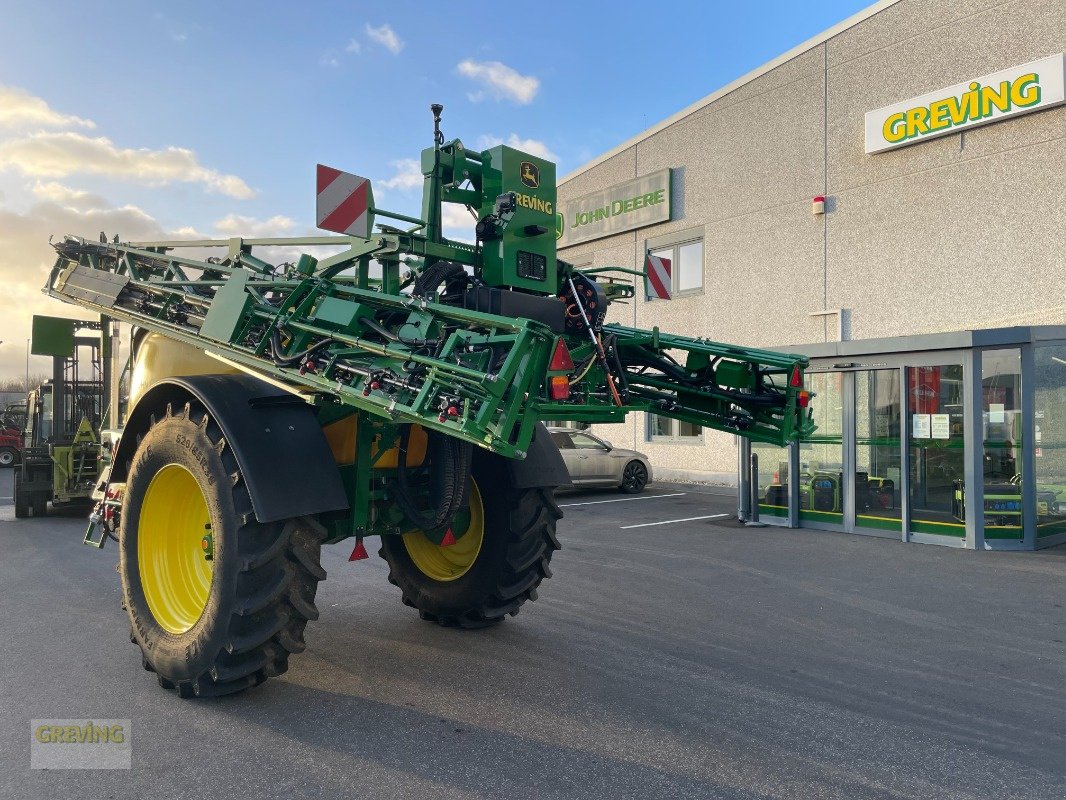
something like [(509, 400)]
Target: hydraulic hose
[(450, 460), (432, 277), (289, 361)]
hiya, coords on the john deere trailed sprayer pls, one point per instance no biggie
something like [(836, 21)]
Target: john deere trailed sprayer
[(397, 389)]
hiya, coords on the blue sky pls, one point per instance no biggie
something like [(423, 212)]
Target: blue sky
[(208, 118)]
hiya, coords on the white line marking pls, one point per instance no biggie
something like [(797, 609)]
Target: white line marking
[(620, 500), (671, 521), (7, 498)]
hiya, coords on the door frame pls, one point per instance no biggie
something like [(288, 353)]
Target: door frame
[(971, 366)]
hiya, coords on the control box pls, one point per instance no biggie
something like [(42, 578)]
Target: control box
[(524, 255)]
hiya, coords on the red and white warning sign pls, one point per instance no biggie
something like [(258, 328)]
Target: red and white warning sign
[(657, 277), (345, 202)]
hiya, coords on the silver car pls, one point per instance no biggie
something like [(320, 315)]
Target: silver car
[(595, 462)]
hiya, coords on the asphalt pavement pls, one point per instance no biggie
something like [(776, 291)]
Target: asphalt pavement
[(664, 659)]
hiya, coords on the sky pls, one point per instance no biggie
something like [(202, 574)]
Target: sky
[(206, 119)]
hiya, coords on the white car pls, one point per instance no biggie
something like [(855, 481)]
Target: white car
[(595, 462)]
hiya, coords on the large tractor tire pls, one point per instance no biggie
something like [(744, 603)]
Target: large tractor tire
[(501, 554), (217, 601), (22, 498)]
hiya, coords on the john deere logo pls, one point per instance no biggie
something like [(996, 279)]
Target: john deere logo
[(558, 226), (530, 175)]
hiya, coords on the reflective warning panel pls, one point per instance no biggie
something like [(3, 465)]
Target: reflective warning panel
[(345, 203), (657, 277)]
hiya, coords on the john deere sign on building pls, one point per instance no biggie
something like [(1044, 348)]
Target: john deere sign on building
[(623, 207)]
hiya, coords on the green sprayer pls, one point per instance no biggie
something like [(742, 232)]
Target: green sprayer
[(396, 386)]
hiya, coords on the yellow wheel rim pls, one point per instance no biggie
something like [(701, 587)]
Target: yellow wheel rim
[(175, 573), (450, 563)]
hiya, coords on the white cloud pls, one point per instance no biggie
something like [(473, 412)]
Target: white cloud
[(20, 109), (408, 175), (56, 155), (25, 257), (386, 37), (534, 147), (330, 59), (457, 222), (500, 81), (179, 37), (251, 228), (78, 199), (454, 215), (353, 46)]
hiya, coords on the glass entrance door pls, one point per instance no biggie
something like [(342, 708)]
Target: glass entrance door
[(875, 479), (935, 433), (822, 471)]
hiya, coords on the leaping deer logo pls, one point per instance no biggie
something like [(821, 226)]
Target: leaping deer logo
[(530, 175)]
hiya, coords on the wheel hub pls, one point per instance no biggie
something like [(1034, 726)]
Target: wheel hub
[(174, 555), (449, 562)]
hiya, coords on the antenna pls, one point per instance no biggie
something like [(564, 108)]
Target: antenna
[(438, 137)]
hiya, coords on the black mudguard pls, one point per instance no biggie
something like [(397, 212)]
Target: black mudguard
[(542, 466), (286, 463)]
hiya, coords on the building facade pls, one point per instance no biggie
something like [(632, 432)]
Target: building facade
[(903, 173)]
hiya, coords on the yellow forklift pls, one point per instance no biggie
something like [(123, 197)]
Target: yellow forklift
[(61, 455)]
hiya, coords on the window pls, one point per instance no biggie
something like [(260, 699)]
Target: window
[(562, 440), (660, 429), (582, 441), (686, 265)]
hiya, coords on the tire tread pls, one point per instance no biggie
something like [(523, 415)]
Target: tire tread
[(278, 578)]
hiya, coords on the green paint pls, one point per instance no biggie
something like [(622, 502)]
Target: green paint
[(315, 327)]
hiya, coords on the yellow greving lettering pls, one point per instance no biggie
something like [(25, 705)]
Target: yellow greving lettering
[(1025, 91), (894, 129), (937, 112), (534, 203), (992, 97), (957, 110), (977, 102)]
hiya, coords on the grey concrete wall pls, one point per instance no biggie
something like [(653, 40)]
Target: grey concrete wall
[(964, 231)]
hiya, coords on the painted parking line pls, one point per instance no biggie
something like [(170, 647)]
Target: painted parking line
[(672, 521), (620, 500)]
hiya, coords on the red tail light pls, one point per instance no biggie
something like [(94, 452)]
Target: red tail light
[(803, 399), (797, 378), (561, 360)]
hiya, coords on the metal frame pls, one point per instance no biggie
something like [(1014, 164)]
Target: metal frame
[(675, 240), (743, 480), (1029, 521), (973, 451), (962, 347)]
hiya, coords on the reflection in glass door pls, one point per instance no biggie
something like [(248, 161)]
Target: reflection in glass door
[(935, 433), (1001, 408), (875, 483), (821, 477)]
